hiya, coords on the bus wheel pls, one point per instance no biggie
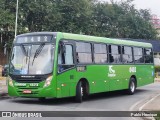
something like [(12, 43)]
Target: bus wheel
[(79, 92), (132, 86), (42, 99)]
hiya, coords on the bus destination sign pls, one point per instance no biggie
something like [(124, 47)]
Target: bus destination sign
[(34, 39)]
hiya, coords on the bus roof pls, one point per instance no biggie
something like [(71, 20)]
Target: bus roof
[(93, 39), (104, 40)]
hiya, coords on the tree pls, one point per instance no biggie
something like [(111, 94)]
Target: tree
[(6, 23), (75, 15), (118, 19), (122, 20)]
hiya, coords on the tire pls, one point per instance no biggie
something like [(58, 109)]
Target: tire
[(79, 92), (132, 86)]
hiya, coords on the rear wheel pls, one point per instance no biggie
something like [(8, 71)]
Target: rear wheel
[(132, 86)]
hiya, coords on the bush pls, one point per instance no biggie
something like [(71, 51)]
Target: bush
[(157, 68), (158, 115)]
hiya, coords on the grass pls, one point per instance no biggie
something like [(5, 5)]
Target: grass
[(158, 117)]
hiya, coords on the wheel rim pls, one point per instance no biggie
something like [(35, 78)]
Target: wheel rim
[(132, 87)]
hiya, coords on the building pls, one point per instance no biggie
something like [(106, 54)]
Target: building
[(155, 20)]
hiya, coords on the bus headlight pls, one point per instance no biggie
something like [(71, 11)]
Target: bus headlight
[(48, 81), (10, 82)]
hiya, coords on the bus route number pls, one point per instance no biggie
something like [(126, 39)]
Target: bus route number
[(132, 69)]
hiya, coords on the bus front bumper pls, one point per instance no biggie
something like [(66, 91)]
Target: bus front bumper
[(32, 93)]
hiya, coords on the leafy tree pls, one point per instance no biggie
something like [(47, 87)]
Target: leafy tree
[(91, 17), (75, 15), (122, 20), (6, 23)]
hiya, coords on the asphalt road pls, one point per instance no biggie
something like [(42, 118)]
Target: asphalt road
[(111, 101)]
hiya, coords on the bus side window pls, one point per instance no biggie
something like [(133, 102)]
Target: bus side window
[(138, 55), (127, 54), (111, 59), (65, 58), (114, 54), (148, 55), (100, 53), (83, 53)]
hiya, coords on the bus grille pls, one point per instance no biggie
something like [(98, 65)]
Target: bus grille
[(21, 80), (28, 79), (30, 88)]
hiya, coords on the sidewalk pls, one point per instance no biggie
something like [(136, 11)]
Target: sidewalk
[(157, 79), (3, 87), (153, 105)]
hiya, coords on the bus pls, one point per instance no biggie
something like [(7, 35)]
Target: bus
[(57, 65)]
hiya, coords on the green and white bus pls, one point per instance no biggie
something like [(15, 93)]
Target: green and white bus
[(56, 65)]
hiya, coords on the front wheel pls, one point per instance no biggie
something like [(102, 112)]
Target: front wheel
[(79, 92), (132, 86)]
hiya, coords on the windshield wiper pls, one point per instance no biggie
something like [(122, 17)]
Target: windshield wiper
[(38, 51), (23, 50)]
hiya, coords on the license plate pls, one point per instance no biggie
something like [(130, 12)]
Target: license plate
[(27, 91)]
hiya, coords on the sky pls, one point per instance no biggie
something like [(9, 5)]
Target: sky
[(153, 5)]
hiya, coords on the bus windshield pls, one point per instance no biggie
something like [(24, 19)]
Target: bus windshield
[(31, 59)]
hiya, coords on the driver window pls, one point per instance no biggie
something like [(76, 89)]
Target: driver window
[(65, 58), (68, 55)]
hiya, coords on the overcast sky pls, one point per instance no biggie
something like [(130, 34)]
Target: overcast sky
[(153, 5)]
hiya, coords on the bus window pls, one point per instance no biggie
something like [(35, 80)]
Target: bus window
[(148, 55), (127, 54), (114, 54), (65, 58), (83, 52), (138, 55), (100, 53)]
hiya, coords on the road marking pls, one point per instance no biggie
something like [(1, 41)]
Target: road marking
[(140, 108), (132, 109), (134, 105)]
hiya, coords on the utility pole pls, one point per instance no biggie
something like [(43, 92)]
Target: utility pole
[(16, 20)]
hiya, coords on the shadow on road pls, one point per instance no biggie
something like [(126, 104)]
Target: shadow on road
[(62, 101)]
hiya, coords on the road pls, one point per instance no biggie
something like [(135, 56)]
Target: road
[(111, 101)]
